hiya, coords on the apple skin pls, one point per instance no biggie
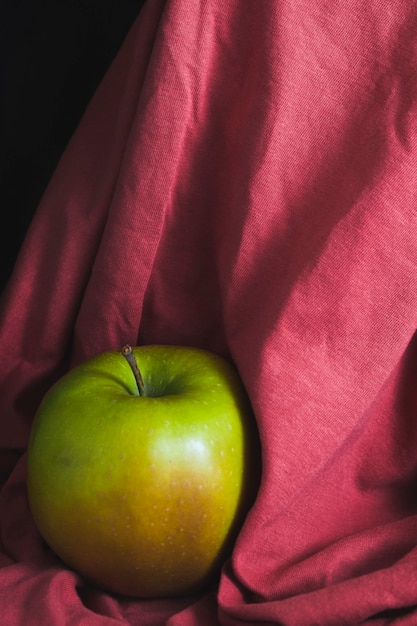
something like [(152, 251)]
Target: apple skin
[(144, 495)]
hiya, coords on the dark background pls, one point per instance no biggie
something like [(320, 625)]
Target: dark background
[(53, 54)]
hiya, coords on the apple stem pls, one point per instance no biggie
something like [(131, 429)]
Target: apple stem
[(127, 352)]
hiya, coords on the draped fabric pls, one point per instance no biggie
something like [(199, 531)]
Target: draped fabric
[(243, 180)]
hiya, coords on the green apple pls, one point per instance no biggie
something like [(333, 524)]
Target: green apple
[(141, 469)]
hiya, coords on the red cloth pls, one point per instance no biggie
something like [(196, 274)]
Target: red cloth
[(244, 180)]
